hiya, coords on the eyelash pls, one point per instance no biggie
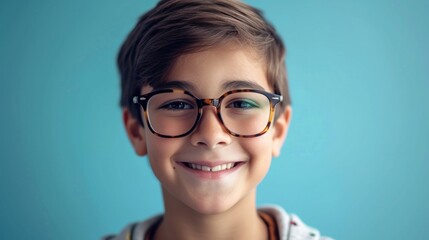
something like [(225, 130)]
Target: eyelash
[(248, 103), (169, 105)]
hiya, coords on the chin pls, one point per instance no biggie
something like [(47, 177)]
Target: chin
[(210, 210), (211, 206)]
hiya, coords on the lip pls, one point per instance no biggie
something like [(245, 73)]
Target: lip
[(211, 164)]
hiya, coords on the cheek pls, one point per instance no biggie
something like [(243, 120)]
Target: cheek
[(259, 150), (159, 152), (258, 147)]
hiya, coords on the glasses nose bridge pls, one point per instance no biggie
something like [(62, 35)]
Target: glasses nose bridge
[(209, 102)]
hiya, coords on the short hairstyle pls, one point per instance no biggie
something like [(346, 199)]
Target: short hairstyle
[(177, 27)]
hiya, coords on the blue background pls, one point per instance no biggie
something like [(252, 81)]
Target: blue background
[(355, 164)]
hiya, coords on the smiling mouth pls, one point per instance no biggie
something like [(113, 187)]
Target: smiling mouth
[(221, 167)]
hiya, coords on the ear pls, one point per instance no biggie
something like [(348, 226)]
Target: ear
[(281, 126), (135, 132)]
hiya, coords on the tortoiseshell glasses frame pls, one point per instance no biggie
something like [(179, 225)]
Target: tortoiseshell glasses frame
[(143, 100)]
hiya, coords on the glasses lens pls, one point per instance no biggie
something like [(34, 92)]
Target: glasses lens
[(245, 113), (172, 114)]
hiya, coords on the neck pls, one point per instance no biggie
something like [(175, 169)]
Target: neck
[(241, 221)]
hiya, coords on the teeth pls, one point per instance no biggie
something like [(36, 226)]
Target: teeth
[(205, 168), (217, 168), (195, 166), (213, 169)]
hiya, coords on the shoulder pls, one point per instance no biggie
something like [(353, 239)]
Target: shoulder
[(134, 230), (291, 227)]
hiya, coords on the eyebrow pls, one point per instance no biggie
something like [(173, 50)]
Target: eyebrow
[(177, 84), (239, 84), (227, 86)]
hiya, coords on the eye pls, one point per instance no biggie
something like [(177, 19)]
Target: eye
[(177, 105), (242, 104)]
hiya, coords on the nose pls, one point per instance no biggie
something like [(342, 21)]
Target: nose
[(210, 132)]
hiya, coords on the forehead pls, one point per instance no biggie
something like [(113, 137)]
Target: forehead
[(219, 69)]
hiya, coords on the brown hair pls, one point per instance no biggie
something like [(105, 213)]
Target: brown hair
[(177, 27)]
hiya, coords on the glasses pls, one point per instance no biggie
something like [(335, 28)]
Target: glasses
[(174, 113)]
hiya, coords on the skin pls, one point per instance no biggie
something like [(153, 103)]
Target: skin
[(224, 207)]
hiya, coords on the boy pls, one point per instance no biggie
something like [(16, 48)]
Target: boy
[(205, 97)]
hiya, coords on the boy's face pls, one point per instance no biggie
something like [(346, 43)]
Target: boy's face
[(206, 74)]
